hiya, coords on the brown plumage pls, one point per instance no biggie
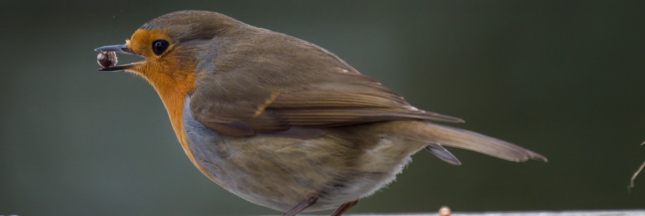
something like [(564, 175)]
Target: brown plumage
[(282, 122)]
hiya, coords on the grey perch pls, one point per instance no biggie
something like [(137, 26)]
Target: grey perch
[(535, 213)]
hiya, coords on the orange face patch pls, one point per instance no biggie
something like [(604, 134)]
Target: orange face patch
[(172, 81), (141, 41)]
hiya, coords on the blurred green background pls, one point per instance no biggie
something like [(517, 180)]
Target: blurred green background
[(562, 78)]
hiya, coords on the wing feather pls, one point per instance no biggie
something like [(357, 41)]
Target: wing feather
[(271, 82)]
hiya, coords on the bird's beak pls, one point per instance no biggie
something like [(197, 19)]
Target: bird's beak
[(119, 49)]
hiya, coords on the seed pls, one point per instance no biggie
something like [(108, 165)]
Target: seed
[(444, 211), (106, 59)]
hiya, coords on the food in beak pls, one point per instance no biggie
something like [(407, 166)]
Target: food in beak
[(106, 59)]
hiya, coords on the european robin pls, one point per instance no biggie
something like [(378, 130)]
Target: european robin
[(282, 122)]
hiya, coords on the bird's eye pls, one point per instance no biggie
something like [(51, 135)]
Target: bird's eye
[(159, 46)]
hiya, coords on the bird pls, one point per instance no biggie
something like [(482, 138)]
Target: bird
[(282, 122)]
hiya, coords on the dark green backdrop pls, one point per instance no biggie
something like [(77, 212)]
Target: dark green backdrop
[(562, 78)]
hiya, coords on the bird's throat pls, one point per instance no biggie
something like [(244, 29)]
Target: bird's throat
[(173, 89)]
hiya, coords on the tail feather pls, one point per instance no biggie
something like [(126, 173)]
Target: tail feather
[(459, 138), (443, 154)]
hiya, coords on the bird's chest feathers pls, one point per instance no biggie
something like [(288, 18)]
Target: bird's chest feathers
[(173, 89), (173, 83)]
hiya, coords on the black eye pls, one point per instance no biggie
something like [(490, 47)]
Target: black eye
[(159, 46)]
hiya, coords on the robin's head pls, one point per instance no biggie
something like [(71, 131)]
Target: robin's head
[(172, 43)]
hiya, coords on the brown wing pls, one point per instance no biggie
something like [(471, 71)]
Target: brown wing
[(321, 104), (273, 82)]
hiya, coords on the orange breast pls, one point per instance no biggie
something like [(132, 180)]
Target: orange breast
[(173, 89)]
